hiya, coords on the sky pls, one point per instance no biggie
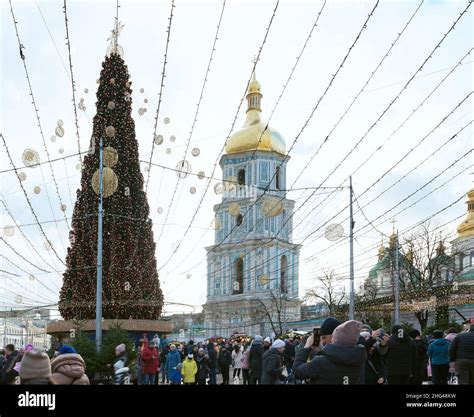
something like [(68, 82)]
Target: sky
[(243, 27)]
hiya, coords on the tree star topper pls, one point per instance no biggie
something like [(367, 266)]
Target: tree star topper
[(114, 47)]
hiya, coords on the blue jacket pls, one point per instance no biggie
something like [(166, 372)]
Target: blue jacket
[(172, 361), (438, 351)]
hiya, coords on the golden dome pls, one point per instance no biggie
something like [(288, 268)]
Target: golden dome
[(255, 134), (466, 228)]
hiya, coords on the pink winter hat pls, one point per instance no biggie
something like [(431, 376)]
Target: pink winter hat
[(347, 333)]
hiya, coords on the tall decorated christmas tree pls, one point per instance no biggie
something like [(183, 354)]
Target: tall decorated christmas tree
[(131, 288)]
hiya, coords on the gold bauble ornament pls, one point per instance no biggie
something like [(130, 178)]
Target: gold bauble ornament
[(109, 182), (111, 105), (216, 223), (22, 176), (110, 131), (37, 189), (264, 280), (272, 207), (110, 157), (234, 209)]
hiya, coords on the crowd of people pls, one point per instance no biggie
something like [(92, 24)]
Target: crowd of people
[(335, 353)]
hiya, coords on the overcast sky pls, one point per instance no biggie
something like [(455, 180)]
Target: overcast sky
[(242, 30)]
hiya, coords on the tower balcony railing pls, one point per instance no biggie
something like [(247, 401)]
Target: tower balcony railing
[(233, 191)]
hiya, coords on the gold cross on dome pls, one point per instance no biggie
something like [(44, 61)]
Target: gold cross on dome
[(393, 225)]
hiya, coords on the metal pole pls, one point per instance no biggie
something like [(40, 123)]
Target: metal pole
[(98, 306), (397, 283), (5, 330), (351, 253)]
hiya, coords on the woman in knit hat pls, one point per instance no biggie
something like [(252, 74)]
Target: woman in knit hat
[(121, 371), (272, 363), (340, 362), (35, 368), (69, 368)]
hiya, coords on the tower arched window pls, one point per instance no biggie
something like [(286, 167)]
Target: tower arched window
[(277, 178), (241, 177), (238, 285), (283, 274)]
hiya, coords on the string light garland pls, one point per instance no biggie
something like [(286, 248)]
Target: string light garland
[(267, 30), (198, 106), (73, 84), (20, 45), (27, 198), (162, 84)]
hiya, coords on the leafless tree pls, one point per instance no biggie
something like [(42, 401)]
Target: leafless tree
[(328, 292), (274, 309), (424, 263)]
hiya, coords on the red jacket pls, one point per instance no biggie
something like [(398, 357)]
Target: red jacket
[(150, 360)]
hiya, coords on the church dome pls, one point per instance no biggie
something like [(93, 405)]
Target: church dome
[(255, 134), (466, 228)]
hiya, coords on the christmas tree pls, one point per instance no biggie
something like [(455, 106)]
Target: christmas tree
[(131, 287)]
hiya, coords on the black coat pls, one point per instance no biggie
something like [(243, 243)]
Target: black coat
[(374, 368), (272, 366), (401, 357), (333, 365), (212, 358), (255, 359), (225, 359), (8, 374), (163, 354), (421, 373), (462, 346), (203, 367), (289, 354)]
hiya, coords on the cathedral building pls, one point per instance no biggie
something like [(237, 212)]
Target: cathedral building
[(252, 269), (458, 266)]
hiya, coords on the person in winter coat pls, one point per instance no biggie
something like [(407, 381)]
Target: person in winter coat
[(202, 361), (461, 352), (69, 368), (401, 357), (237, 360), (172, 361), (189, 347), (267, 342), (189, 370), (339, 362), (452, 333), (35, 368), (121, 371), (150, 363), (272, 363), (374, 367), (438, 352), (420, 374), (162, 359), (224, 361), (8, 374), (374, 372), (255, 360), (245, 366), (289, 355), (212, 354)]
